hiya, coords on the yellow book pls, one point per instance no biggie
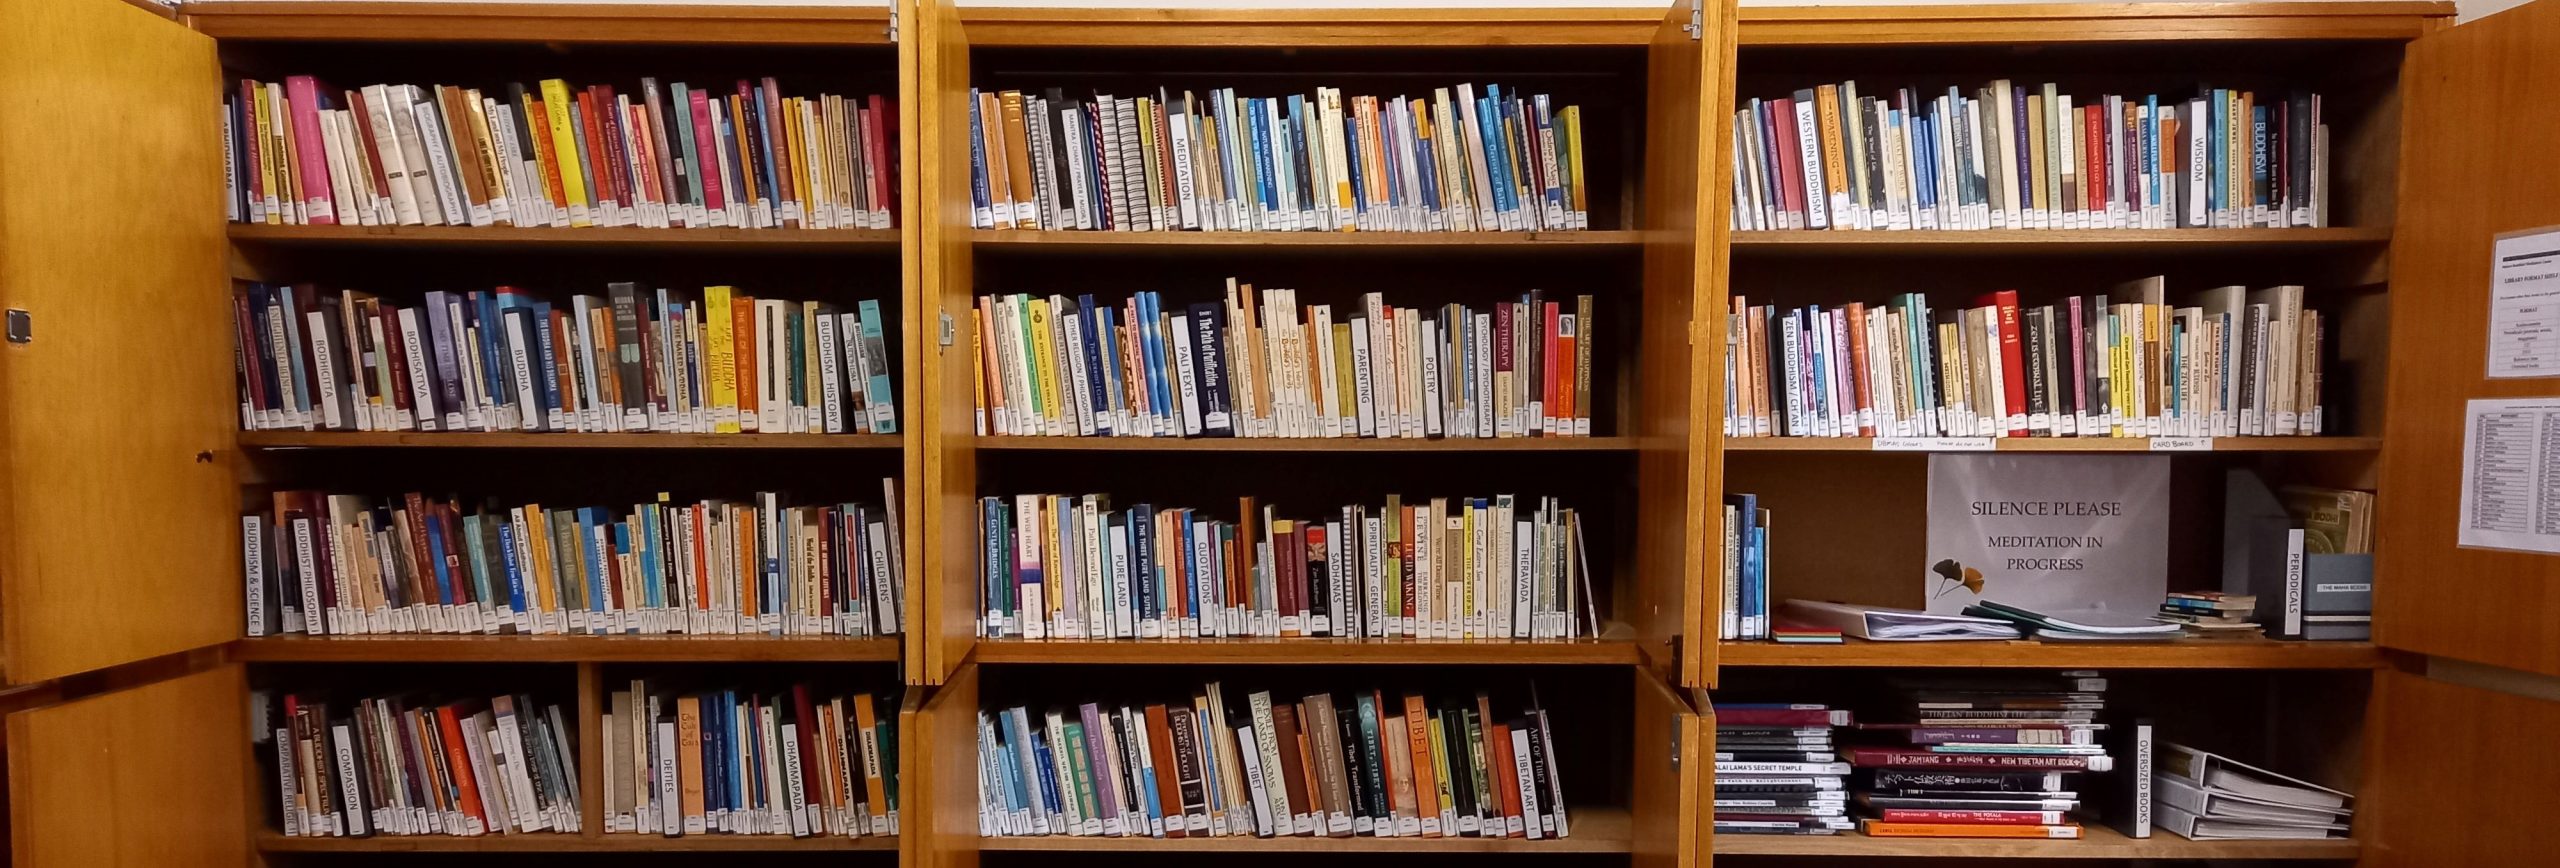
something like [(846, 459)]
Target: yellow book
[(721, 359), (689, 759), (537, 539), (1463, 525), (267, 156), (2120, 370), (1053, 559), (1573, 171), (1044, 350), (867, 727), (797, 134), (1151, 192), (2037, 190), (1345, 379), (564, 142)]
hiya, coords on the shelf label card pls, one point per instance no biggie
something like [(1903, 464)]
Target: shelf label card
[(2181, 444), (1932, 444)]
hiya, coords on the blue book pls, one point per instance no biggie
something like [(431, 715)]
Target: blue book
[(1048, 759), (592, 545), (550, 385), (476, 558), (1151, 345), (2259, 186), (1393, 168), (1547, 133), (1114, 393), (2151, 151), (652, 567), (1208, 353), (492, 346), (437, 549), (998, 585), (1745, 515), (982, 213), (438, 312), (1143, 594), (1928, 129), (1819, 371), (1427, 161), (1096, 392), (1359, 181), (767, 182), (1497, 151), (515, 569), (2217, 138), (877, 398), (1030, 602), (1266, 170), (1294, 137)]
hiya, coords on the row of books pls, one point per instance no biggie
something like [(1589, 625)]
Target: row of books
[(1328, 765), (301, 152), (1745, 583), (2010, 749), (338, 564), (2128, 363), (391, 766), (2011, 156), (1451, 161), (1059, 566), (715, 362), (790, 762), (1777, 770), (1267, 366)]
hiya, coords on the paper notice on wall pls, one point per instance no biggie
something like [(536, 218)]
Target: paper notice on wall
[(2524, 305), (2047, 532), (2511, 474)]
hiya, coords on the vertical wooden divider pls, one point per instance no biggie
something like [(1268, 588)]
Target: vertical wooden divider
[(944, 456), (591, 702)]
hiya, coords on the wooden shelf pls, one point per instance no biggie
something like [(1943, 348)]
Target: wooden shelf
[(2065, 444), (2028, 23), (608, 23), (1309, 444), (1340, 27), (1028, 241), (2097, 842), (1595, 830), (2026, 654), (557, 440), (2054, 242), (512, 238), (271, 842), (564, 649), (1306, 651)]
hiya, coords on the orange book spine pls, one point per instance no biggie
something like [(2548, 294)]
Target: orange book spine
[(458, 761), (1867, 410), (1882, 829), (1506, 779), (742, 313)]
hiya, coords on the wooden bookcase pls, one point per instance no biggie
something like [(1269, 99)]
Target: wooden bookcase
[(126, 682), (1647, 83)]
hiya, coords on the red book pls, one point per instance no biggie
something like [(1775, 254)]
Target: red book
[(1923, 758), (1782, 121), (363, 116), (814, 786), (458, 763), (1551, 381), (1882, 829), (1803, 715), (881, 127), (1982, 818), (302, 94), (706, 158), (2097, 159), (2013, 366), (1858, 375), (1504, 769)]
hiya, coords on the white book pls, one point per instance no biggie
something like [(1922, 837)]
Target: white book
[(1186, 374)]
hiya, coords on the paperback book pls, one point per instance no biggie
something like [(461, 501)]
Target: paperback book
[(396, 766), (794, 762)]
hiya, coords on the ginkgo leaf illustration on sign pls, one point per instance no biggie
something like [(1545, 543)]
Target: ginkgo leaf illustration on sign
[(1952, 575)]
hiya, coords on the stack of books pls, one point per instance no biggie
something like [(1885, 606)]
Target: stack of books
[(2125, 363), (1266, 366), (1451, 161), (1995, 757), (1058, 566), (301, 152), (1746, 570), (1776, 772), (2211, 614), (632, 360), (388, 766), (2204, 796), (2335, 521), (334, 564), (2011, 156), (1327, 765), (790, 762), (2078, 625)]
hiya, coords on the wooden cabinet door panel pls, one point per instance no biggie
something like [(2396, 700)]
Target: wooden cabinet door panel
[(1674, 799), (144, 777), (118, 536), (943, 466)]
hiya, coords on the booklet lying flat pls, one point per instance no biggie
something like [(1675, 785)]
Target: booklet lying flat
[(1884, 624)]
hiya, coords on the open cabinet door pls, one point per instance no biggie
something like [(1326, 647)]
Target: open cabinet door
[(938, 767), (118, 520), (1688, 79), (1674, 803), (2457, 743), (144, 776), (935, 54)]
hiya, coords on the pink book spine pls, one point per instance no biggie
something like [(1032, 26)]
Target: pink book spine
[(709, 163), (882, 125), (305, 96)]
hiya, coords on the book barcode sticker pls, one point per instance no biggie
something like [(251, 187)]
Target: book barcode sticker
[(1931, 444), (2181, 444)]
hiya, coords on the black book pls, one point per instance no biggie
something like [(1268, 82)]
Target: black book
[(1726, 787), (1319, 583), (1142, 561), (2032, 328), (1773, 756), (2014, 782), (1355, 760), (1208, 349), (1540, 773), (1461, 774)]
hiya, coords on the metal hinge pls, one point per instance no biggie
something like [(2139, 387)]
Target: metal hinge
[(893, 24), (1697, 20), (22, 326), (948, 334), (1675, 743)]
